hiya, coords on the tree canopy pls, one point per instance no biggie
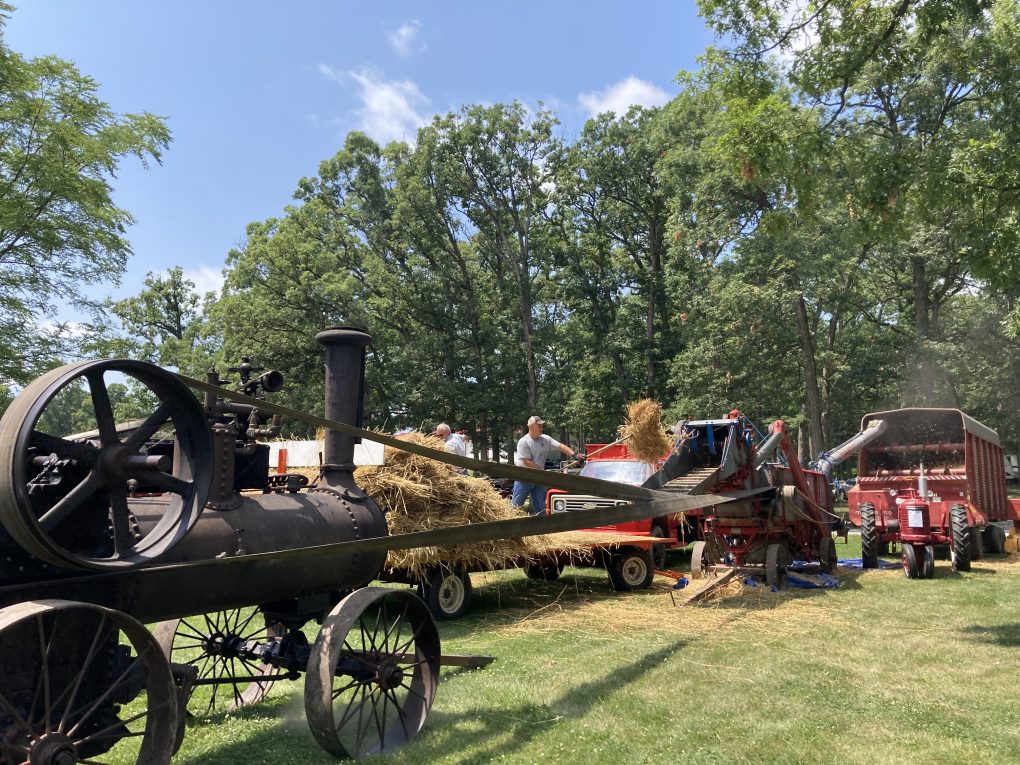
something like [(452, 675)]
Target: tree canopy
[(821, 224)]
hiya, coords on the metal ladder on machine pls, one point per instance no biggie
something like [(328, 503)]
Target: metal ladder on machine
[(693, 482)]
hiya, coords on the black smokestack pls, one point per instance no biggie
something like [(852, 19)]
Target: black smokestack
[(345, 395)]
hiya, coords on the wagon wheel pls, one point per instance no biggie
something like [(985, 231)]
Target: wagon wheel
[(544, 571), (66, 499), (827, 554), (205, 642), (372, 673), (631, 569), (775, 565), (699, 561), (71, 694), (446, 591), (658, 551)]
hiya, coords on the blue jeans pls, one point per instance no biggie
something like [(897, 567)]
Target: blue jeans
[(524, 490)]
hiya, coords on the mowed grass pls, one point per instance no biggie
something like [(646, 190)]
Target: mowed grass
[(881, 669)]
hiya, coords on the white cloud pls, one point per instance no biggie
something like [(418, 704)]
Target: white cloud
[(619, 97), (206, 279), (406, 40), (389, 110)]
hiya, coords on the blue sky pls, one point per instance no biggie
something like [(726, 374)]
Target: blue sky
[(258, 93)]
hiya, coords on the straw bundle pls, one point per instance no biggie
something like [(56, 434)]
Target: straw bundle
[(421, 494), (643, 432)]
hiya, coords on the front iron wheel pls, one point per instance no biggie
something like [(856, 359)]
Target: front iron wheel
[(372, 673)]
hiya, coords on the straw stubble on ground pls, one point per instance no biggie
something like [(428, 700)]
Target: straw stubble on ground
[(883, 668)]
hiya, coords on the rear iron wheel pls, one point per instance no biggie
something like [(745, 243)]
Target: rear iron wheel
[(699, 561), (869, 536), (372, 673), (994, 539), (85, 684), (209, 642), (827, 554), (959, 549)]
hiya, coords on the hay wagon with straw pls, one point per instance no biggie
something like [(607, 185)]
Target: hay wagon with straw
[(129, 523)]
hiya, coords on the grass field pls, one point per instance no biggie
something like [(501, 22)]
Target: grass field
[(882, 669)]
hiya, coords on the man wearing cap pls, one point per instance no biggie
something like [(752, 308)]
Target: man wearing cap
[(532, 450)]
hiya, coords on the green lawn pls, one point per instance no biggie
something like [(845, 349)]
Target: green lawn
[(882, 669)]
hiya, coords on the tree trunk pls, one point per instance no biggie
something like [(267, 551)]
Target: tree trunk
[(925, 369), (812, 398)]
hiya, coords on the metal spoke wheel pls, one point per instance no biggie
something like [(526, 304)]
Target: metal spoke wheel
[(372, 673), (73, 692), (211, 643), (69, 499)]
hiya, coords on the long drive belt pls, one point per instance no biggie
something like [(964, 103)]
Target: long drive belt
[(640, 503)]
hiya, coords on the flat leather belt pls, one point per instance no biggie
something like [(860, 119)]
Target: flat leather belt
[(640, 503)]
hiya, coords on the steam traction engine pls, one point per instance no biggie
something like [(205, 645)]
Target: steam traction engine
[(85, 518)]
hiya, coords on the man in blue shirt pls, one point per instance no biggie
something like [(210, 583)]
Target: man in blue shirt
[(532, 451)]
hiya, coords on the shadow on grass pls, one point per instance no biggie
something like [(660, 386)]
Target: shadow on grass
[(1006, 635), (489, 731), (486, 729)]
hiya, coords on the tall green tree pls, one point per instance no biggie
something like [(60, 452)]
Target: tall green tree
[(60, 231)]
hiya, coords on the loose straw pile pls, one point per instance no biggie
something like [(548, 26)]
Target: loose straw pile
[(421, 494), (643, 433)]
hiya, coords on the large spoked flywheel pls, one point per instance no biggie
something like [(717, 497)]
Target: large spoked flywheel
[(71, 499)]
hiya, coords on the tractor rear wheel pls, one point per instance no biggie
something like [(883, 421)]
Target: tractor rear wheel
[(631, 569), (928, 562), (869, 536), (910, 567), (959, 549)]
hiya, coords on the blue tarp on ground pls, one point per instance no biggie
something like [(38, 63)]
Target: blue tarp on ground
[(858, 563), (820, 581)]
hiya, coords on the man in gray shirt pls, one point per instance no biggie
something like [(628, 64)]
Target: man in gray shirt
[(532, 450)]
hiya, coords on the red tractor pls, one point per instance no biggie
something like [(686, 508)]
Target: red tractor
[(927, 477)]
